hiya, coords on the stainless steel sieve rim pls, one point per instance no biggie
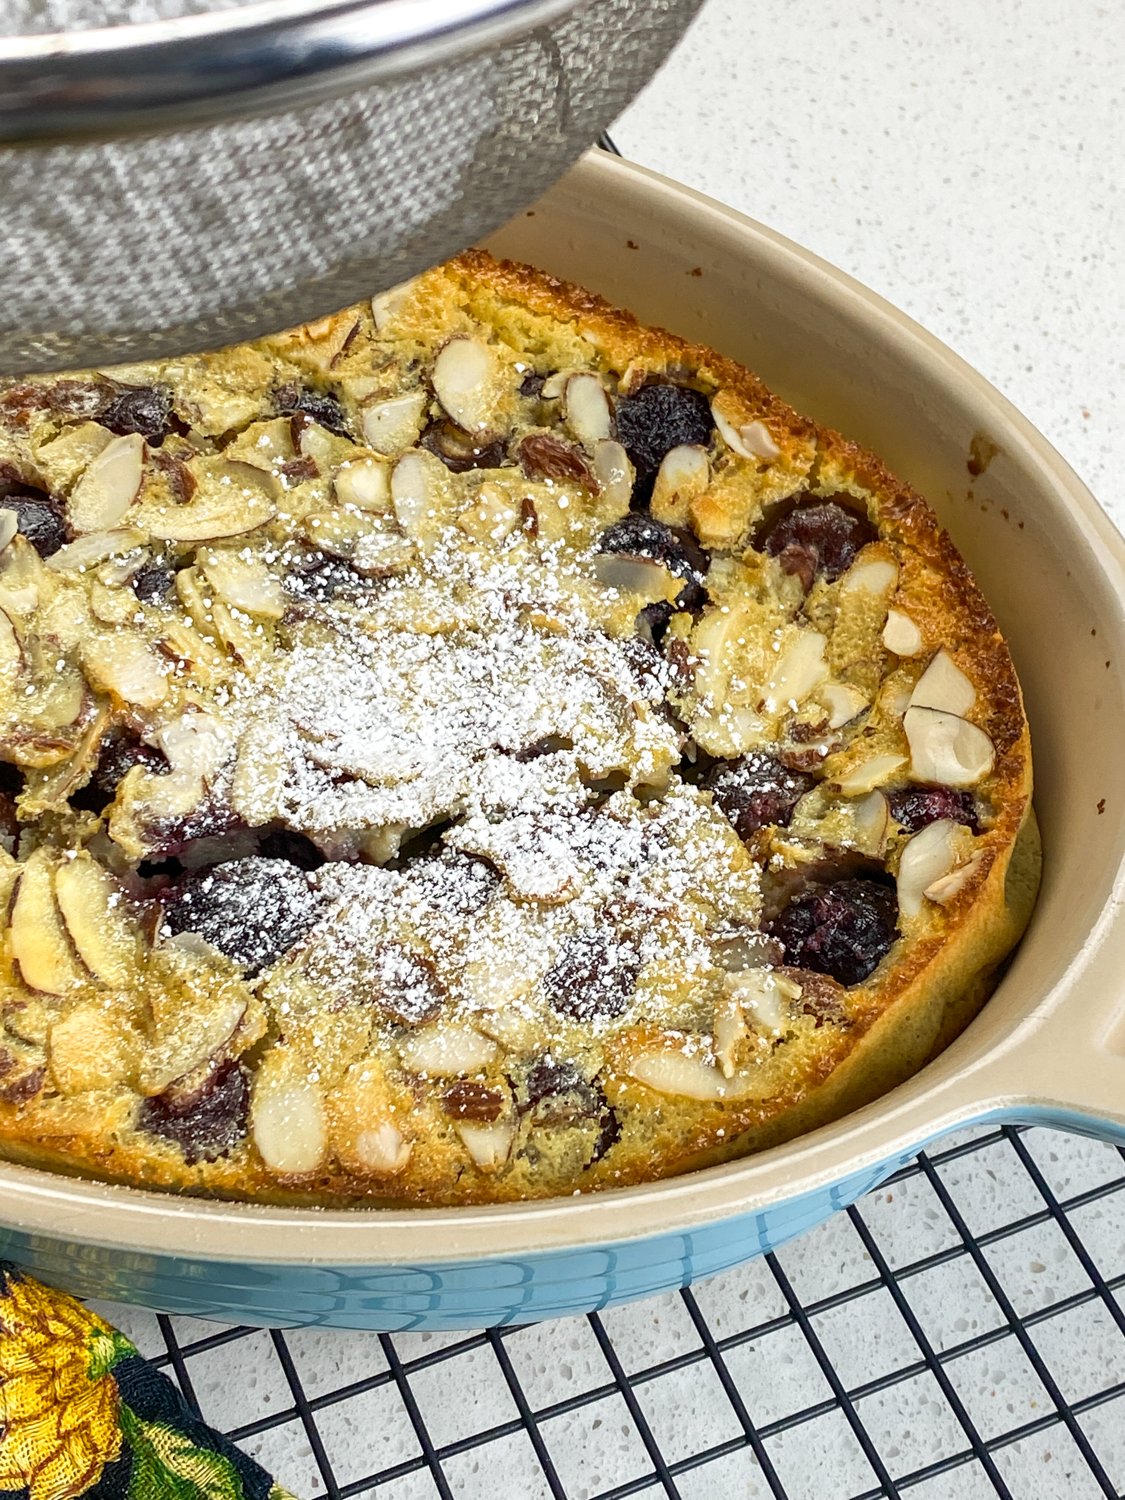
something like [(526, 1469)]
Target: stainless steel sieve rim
[(265, 55)]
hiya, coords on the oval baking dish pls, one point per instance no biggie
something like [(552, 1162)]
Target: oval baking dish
[(1049, 1047)]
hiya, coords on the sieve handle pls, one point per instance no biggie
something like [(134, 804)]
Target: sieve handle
[(225, 65)]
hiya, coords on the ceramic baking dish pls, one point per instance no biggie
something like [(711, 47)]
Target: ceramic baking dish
[(1049, 1047)]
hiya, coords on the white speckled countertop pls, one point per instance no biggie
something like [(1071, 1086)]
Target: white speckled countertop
[(962, 157)]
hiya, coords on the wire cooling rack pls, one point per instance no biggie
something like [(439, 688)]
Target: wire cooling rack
[(959, 1334)]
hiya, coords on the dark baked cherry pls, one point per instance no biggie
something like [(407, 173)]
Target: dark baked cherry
[(593, 977), (915, 806), (638, 535), (293, 848), (117, 757), (543, 456), (756, 791), (251, 909), (39, 516), (321, 407), (558, 1095), (205, 1122), (652, 622), (404, 985), (822, 997), (818, 537), (608, 1135), (652, 422), (154, 583), (146, 409), (531, 386), (842, 930), (457, 450)]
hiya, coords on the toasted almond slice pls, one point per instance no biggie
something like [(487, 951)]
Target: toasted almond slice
[(364, 483), (41, 945), (636, 575), (614, 473), (587, 410), (764, 995), (93, 548), (946, 887), (386, 307), (946, 749), (189, 1037), (901, 635), (231, 498), (421, 495), (9, 525), (92, 905), (109, 485), (943, 685), (245, 582), (751, 440), (930, 855), (287, 1119), (495, 515), (728, 1031), (868, 774), (870, 575), (800, 670), (843, 702), (872, 823), (392, 425), (382, 1148), (684, 474), (686, 1077), (488, 1145), (464, 376), (450, 1051), (126, 666)]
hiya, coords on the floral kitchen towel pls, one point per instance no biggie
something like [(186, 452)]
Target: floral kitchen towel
[(82, 1414)]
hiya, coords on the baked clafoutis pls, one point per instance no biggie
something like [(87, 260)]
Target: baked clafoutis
[(473, 748)]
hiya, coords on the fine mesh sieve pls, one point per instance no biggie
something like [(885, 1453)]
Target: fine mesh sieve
[(204, 178)]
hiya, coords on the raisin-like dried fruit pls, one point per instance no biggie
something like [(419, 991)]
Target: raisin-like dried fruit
[(146, 409), (117, 757), (205, 1122), (915, 806), (543, 456), (403, 984), (594, 976), (638, 535), (756, 791), (39, 516), (842, 930), (653, 421), (251, 909), (818, 537), (318, 579), (469, 1100), (457, 450), (531, 386), (321, 407), (154, 583), (558, 1093)]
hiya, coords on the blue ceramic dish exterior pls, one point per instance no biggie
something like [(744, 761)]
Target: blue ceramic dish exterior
[(451, 1295)]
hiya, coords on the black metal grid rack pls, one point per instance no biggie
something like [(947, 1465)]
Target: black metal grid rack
[(846, 1367)]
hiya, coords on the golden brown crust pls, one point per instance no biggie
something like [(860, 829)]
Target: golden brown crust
[(937, 974)]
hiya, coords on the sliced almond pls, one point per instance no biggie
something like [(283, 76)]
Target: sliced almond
[(464, 377), (364, 483), (109, 485), (868, 774), (901, 635), (421, 496), (684, 474), (230, 499), (488, 1145), (245, 582), (764, 995), (387, 306), (686, 1077), (391, 426), (614, 473), (946, 887), (800, 670), (843, 702), (11, 653), (450, 1051), (728, 1031), (749, 439), (587, 409), (381, 1148), (931, 855), (9, 525), (41, 945), (872, 823), (189, 1039), (495, 515), (870, 575), (126, 666), (93, 908), (287, 1118), (87, 551), (636, 575), (943, 685), (946, 749)]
